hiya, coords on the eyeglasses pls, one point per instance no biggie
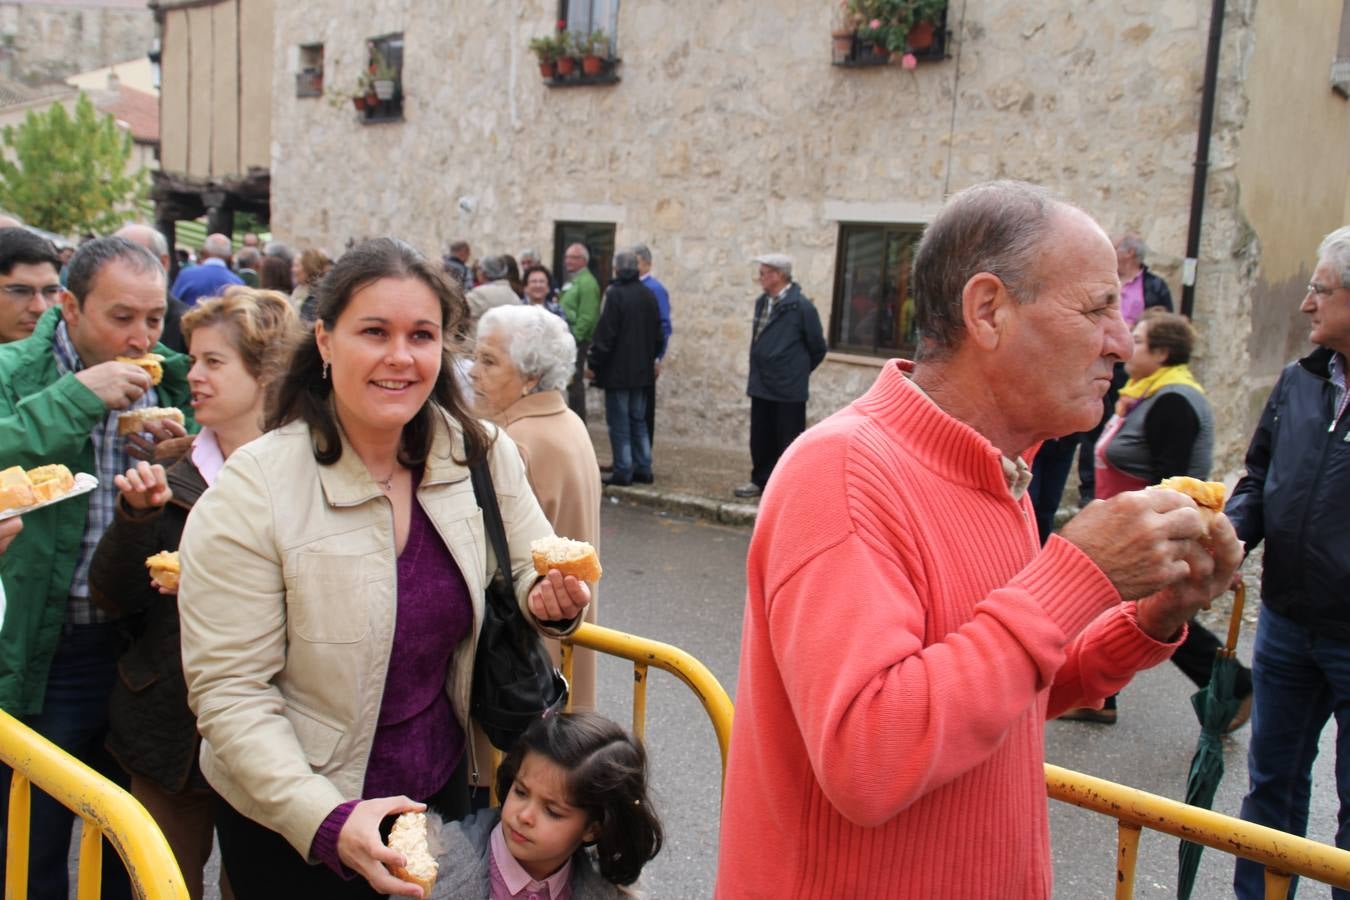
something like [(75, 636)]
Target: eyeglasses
[(24, 293)]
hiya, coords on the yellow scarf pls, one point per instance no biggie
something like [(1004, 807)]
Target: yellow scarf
[(1137, 389)]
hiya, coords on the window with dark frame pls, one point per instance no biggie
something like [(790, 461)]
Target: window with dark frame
[(1340, 67), (873, 309), (596, 237), (309, 80), (384, 65), (586, 16)]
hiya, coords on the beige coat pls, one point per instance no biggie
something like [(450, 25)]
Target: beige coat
[(561, 466), (288, 597), (486, 296)]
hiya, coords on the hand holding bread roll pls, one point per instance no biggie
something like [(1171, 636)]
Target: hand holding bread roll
[(575, 558), (164, 569), (1208, 496), (150, 362)]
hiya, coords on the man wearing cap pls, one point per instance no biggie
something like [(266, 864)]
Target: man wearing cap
[(786, 344)]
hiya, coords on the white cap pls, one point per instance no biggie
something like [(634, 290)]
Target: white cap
[(780, 261)]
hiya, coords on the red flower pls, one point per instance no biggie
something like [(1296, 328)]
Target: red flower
[(562, 24)]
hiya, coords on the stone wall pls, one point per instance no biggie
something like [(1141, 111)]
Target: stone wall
[(731, 134), (45, 42)]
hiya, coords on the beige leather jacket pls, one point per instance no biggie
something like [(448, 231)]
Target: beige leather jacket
[(287, 599)]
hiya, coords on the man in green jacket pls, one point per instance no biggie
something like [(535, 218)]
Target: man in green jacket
[(580, 302), (61, 390)]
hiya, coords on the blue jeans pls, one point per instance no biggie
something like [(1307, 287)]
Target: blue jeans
[(1300, 678), (74, 717), (626, 416)]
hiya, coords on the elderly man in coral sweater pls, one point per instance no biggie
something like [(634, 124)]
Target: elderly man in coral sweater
[(906, 636)]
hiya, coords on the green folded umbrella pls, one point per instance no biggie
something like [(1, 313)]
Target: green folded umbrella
[(1215, 706)]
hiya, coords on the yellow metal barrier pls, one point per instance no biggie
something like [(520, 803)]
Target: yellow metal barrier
[(107, 811), (645, 653), (1283, 855)]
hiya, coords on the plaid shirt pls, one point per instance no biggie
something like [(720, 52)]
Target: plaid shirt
[(1337, 369), (763, 318), (110, 458)]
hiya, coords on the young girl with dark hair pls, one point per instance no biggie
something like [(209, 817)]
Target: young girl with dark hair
[(575, 817)]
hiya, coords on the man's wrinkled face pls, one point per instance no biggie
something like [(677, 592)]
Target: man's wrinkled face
[(1327, 306), (574, 260), (771, 280), (122, 315)]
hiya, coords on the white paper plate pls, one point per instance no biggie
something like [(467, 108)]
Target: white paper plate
[(84, 483)]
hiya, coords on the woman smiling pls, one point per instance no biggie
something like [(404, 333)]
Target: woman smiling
[(332, 590)]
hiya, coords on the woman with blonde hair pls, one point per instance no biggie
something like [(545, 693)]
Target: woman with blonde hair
[(238, 345), (307, 271)]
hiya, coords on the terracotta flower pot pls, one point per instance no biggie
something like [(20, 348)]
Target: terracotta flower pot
[(371, 98), (920, 37), (359, 102), (566, 65), (843, 45), (548, 69), (592, 65)]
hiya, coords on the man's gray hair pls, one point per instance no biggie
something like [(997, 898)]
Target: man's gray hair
[(154, 240), (247, 258), (93, 255), (997, 227), (643, 252), (585, 253), (538, 342), (625, 263), (1335, 249), (494, 268), (279, 250), (530, 254), (1133, 243), (217, 245)]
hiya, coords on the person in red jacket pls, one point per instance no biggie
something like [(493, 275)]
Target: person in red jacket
[(906, 636)]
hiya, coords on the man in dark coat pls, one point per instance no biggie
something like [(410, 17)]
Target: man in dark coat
[(1293, 499), (786, 345), (622, 360)]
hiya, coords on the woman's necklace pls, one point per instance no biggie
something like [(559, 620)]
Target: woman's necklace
[(386, 484)]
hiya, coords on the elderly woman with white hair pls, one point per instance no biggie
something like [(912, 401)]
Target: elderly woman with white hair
[(522, 364)]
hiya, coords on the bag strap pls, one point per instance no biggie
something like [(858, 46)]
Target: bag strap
[(486, 496)]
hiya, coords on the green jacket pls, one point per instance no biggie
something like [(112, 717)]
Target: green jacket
[(45, 418), (580, 302)]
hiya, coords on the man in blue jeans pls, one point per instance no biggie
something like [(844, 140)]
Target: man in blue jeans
[(622, 359), (1294, 497)]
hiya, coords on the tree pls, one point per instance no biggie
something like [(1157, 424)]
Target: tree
[(69, 175)]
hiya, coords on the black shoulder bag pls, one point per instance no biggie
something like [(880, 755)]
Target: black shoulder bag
[(514, 681)]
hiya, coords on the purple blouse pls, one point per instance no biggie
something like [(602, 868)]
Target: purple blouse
[(418, 741)]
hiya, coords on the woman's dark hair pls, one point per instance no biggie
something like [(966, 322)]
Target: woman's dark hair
[(606, 777), (275, 275), (1171, 332), (513, 274), (303, 392)]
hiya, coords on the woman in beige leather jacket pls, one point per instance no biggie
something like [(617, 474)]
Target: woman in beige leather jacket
[(332, 590)]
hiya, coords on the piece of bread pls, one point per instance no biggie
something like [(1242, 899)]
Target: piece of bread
[(129, 422), (16, 488), (164, 569), (50, 482), (150, 362), (570, 557), (409, 837), (1208, 496)]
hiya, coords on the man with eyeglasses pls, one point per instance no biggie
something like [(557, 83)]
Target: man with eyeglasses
[(1293, 497), (30, 282)]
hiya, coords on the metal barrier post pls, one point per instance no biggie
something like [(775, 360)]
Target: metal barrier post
[(107, 810)]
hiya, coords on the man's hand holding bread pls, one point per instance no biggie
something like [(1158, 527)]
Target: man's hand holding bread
[(118, 384), (1157, 547)]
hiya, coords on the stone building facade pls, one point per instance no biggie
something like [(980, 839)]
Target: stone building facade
[(729, 133), (44, 41)]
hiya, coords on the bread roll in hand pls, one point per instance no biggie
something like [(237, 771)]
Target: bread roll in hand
[(409, 837), (576, 558)]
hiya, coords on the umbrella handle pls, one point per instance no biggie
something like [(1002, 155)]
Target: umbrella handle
[(1235, 623)]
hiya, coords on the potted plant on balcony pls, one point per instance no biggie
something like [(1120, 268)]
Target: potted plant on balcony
[(894, 28), (383, 76), (594, 49), (546, 49), (567, 60), (847, 22)]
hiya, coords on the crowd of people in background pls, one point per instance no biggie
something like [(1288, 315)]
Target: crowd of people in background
[(311, 675)]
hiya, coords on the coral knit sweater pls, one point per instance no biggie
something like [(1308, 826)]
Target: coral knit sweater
[(905, 640)]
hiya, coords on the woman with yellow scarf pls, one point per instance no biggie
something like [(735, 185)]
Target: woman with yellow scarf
[(1162, 426)]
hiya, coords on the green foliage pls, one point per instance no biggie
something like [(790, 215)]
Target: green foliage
[(69, 175), (548, 48), (893, 18)]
